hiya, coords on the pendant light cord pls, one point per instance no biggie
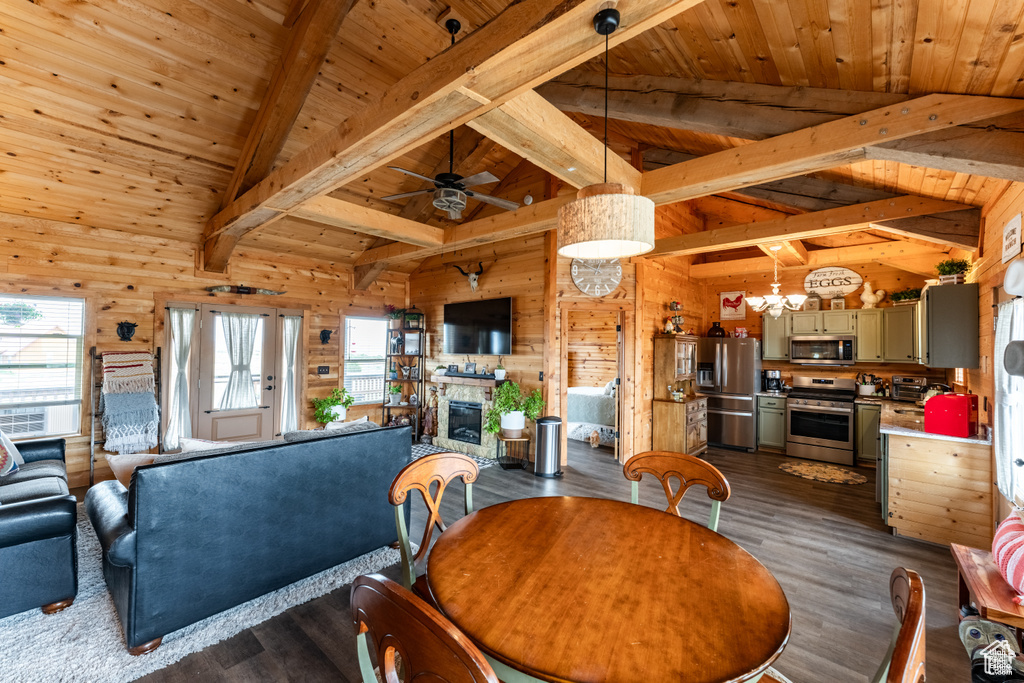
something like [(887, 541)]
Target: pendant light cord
[(606, 107)]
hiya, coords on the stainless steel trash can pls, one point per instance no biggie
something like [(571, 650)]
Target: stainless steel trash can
[(549, 447)]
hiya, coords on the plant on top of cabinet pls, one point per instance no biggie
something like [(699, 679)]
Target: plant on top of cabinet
[(951, 271), (906, 296)]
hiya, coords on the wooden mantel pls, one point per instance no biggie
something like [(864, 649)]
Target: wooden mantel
[(487, 383)]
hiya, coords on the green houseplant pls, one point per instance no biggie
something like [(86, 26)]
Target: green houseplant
[(951, 271), (510, 409), (499, 370), (395, 392), (906, 295), (394, 315), (334, 407)]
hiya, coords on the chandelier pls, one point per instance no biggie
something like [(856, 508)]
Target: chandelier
[(776, 303), (607, 220)]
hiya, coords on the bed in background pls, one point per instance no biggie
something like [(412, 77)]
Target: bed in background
[(592, 409)]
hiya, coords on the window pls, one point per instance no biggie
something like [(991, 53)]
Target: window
[(365, 341), (41, 351)]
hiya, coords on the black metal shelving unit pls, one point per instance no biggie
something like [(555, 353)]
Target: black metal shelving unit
[(398, 342)]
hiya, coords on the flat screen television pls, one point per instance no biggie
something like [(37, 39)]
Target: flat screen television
[(482, 328)]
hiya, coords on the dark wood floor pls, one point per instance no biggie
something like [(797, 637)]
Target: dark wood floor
[(825, 543)]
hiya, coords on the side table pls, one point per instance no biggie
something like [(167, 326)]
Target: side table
[(513, 454)]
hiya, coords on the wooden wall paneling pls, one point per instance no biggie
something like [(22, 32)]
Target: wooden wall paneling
[(593, 348)]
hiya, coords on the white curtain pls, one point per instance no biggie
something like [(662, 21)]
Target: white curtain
[(1009, 414), (289, 359), (240, 336), (181, 322)]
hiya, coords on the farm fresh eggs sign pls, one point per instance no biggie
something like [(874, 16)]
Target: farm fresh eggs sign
[(829, 283)]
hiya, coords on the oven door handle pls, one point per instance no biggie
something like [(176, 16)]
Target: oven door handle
[(716, 411), (822, 409)]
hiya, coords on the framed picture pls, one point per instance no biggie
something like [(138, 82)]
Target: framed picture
[(730, 306), (470, 369), (415, 372), (413, 321), (453, 368), (838, 304), (412, 343)]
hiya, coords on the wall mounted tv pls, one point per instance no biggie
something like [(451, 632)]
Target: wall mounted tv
[(482, 328)]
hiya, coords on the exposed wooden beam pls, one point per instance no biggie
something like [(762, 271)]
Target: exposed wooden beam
[(792, 253), (536, 130), (528, 43), (800, 226), (817, 148), (364, 276), (957, 228), (993, 148), (342, 214), (820, 258), (923, 265), (470, 149), (310, 40), (511, 178)]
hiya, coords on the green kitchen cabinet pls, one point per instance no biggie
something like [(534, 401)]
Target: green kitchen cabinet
[(771, 423), (805, 322), (899, 334), (867, 442), (775, 337), (838, 322), (949, 326), (869, 335)]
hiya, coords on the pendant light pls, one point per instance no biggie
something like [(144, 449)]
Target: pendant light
[(606, 220), (776, 303)]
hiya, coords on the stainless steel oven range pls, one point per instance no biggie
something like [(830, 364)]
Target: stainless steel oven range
[(820, 419)]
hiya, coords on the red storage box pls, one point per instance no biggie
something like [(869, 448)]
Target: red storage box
[(952, 415)]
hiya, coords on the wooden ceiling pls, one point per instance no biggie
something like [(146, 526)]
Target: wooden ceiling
[(133, 114)]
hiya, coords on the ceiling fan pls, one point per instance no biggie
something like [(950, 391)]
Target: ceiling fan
[(450, 189)]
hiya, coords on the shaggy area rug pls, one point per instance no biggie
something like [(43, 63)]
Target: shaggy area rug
[(84, 642), (421, 449), (830, 474)]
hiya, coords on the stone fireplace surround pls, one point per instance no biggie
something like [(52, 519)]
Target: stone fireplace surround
[(460, 392)]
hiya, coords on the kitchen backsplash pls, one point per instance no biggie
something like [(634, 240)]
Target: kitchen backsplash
[(884, 371)]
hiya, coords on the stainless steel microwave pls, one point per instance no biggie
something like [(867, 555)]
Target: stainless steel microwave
[(823, 350)]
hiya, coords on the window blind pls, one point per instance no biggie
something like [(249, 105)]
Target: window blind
[(365, 343)]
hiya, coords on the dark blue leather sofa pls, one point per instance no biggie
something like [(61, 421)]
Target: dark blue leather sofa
[(38, 536), (191, 538)]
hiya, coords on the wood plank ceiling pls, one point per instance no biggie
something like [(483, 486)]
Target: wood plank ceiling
[(133, 115)]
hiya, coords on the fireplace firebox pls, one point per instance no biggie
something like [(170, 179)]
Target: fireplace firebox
[(465, 421)]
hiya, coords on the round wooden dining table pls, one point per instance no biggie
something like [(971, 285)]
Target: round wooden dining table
[(589, 590)]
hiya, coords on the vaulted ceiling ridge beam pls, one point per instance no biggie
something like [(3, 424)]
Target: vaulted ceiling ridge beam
[(528, 43), (310, 39), (991, 147), (536, 130), (866, 253), (801, 226), (817, 148)]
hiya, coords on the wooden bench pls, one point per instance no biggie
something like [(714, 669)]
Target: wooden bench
[(980, 579)]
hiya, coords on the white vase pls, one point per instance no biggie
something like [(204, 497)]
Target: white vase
[(339, 413), (395, 399), (512, 424), (499, 373)]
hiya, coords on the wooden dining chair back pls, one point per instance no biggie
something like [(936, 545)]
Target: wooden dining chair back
[(434, 471), (687, 470), (411, 640), (904, 662)]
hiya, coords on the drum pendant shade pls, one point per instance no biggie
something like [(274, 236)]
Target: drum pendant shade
[(605, 221)]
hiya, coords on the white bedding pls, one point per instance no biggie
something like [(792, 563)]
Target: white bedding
[(590, 409)]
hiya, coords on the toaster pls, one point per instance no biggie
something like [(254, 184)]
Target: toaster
[(952, 415)]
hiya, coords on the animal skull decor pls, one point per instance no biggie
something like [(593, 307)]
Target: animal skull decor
[(474, 278)]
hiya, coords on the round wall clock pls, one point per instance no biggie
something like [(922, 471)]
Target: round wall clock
[(596, 277)]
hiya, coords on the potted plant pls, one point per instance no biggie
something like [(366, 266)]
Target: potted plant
[(951, 271), (396, 394), (499, 370), (905, 296), (334, 407), (394, 315), (510, 409), (440, 370)]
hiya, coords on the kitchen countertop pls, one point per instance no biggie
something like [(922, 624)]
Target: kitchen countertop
[(898, 424), (773, 394)]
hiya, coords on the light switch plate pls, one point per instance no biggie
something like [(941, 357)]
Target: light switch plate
[(323, 370)]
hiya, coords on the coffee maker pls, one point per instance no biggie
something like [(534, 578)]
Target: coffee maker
[(771, 380)]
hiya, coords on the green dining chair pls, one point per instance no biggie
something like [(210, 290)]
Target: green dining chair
[(687, 470), (438, 469), (392, 620), (904, 662)]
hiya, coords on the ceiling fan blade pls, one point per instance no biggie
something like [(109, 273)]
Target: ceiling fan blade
[(412, 173), (406, 194), (494, 201), (479, 179)]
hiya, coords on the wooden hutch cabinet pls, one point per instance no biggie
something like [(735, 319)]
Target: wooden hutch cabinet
[(680, 415)]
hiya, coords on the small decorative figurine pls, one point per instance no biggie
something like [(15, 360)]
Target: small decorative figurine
[(871, 298), (126, 330), (325, 336), (669, 327)]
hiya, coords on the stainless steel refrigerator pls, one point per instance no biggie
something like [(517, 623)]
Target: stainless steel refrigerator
[(729, 374)]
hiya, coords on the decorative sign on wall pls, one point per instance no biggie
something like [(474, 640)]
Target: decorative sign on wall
[(829, 283), (1011, 239), (730, 306)]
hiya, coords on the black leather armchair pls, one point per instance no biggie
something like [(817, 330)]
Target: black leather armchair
[(38, 536), (191, 538)]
